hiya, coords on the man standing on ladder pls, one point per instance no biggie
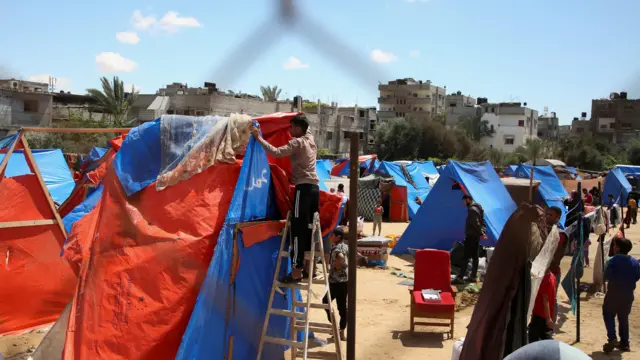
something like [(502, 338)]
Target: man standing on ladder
[(302, 151)]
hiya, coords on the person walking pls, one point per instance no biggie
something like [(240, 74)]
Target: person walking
[(302, 152), (338, 277), (475, 229), (622, 273), (377, 218)]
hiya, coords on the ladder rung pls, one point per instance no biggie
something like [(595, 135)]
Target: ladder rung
[(289, 313), (314, 329), (312, 305), (300, 285), (285, 254), (284, 342), (315, 325)]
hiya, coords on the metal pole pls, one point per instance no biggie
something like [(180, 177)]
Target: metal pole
[(354, 174), (602, 238), (579, 248)]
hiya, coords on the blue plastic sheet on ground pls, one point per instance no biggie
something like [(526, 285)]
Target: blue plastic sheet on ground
[(550, 188), (207, 334), (616, 184), (440, 221), (82, 209), (53, 168), (137, 163)]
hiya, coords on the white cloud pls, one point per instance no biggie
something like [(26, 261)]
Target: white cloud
[(415, 53), (114, 62), (142, 22), (172, 21), (61, 83), (128, 37), (294, 63), (383, 57)]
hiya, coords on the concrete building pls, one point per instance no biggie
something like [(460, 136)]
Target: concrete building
[(512, 123), (409, 98), (24, 103), (459, 106), (564, 131), (67, 106), (331, 125), (581, 126), (548, 127), (616, 119)]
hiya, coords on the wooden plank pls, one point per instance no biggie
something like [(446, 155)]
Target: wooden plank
[(32, 163), (5, 160), (77, 130), (26, 223)]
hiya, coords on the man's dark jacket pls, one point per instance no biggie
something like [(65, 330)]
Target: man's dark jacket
[(475, 226)]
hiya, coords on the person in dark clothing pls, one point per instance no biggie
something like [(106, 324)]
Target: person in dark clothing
[(572, 212), (338, 277), (302, 151), (613, 212), (622, 273), (475, 229)]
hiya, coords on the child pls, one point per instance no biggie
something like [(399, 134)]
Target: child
[(541, 326), (338, 277), (377, 218), (622, 272)]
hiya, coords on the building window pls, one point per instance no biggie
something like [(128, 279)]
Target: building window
[(521, 123), (199, 112), (492, 129), (493, 110), (509, 140), (362, 113), (603, 126), (346, 135), (580, 130), (170, 112), (361, 136), (329, 135), (31, 106), (540, 134)]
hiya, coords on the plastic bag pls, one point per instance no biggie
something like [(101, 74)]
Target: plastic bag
[(457, 349)]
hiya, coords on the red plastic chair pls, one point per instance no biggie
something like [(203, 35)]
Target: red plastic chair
[(433, 271)]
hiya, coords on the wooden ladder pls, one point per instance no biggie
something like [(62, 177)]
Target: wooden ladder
[(300, 321)]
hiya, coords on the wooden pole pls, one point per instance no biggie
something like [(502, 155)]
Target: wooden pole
[(602, 239), (531, 182), (579, 248), (354, 173)]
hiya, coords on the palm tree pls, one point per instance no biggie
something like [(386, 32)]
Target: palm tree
[(113, 99), (475, 127), (270, 93)]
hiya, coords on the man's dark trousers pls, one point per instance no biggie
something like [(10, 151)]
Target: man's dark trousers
[(471, 252), (305, 203)]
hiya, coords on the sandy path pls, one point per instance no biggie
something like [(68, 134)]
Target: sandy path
[(383, 318)]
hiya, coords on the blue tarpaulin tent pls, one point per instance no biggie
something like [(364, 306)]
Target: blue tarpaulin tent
[(83, 209), (323, 173), (421, 189), (629, 169), (213, 322), (53, 167), (510, 170), (440, 222), (616, 184), (550, 188)]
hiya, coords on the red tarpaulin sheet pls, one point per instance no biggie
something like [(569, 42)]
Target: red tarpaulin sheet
[(35, 282)]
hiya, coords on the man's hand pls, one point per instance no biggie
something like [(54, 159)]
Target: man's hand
[(255, 131), (550, 324)]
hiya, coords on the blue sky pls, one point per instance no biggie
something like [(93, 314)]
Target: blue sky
[(559, 54)]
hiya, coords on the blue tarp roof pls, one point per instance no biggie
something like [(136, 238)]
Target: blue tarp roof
[(616, 184), (53, 167), (394, 170), (629, 169), (440, 222), (323, 174), (427, 167), (510, 170), (550, 188), (207, 333), (83, 209)]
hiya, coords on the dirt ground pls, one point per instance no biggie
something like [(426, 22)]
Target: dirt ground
[(383, 317)]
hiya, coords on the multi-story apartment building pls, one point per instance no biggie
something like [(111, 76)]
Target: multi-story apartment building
[(331, 125), (616, 119), (549, 127), (24, 103), (513, 124), (459, 106), (581, 126), (409, 98)]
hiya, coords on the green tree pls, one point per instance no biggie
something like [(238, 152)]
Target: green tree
[(270, 93), (113, 100), (475, 127), (634, 153)]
